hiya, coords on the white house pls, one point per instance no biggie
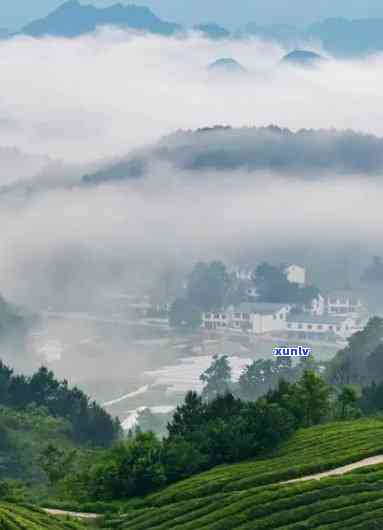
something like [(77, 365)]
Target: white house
[(215, 320), (304, 326), (344, 302), (251, 317), (296, 274)]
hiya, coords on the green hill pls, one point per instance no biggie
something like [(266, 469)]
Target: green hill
[(248, 496)]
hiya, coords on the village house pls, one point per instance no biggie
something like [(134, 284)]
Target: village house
[(254, 318), (339, 303), (325, 327), (215, 320), (344, 302), (296, 274)]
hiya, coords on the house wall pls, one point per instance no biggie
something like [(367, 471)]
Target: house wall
[(296, 274), (268, 323), (251, 322)]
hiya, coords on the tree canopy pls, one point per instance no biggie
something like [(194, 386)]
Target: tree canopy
[(90, 423), (273, 286)]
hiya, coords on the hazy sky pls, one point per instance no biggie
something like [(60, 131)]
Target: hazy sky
[(14, 13)]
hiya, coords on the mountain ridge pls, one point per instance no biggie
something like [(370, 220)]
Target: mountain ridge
[(73, 19)]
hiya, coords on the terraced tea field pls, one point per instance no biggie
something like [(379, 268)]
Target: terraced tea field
[(254, 495), (249, 495), (308, 451), (353, 501), (16, 517)]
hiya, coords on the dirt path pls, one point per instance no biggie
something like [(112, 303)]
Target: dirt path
[(77, 515), (340, 470)]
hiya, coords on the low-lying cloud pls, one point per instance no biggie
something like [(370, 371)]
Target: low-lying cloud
[(71, 244), (101, 95)]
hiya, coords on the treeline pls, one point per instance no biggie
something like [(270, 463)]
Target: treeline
[(202, 434), (90, 423), (360, 364), (256, 379), (361, 361)]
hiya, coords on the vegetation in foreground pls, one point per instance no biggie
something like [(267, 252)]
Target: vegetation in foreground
[(224, 456)]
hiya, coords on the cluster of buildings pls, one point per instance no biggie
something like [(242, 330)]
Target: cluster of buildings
[(333, 316)]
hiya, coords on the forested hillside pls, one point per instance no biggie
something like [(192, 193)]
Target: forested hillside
[(307, 152)]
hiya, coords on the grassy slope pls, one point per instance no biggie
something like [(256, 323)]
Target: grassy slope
[(246, 496), (16, 517)]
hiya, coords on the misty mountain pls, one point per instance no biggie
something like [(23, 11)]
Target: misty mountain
[(302, 58), (213, 31), (338, 36), (73, 19), (306, 152), (226, 64), (225, 12)]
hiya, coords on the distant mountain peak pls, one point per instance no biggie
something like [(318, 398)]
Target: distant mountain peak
[(303, 58), (226, 64)]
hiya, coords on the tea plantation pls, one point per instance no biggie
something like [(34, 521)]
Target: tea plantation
[(16, 517), (247, 495), (252, 495)]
